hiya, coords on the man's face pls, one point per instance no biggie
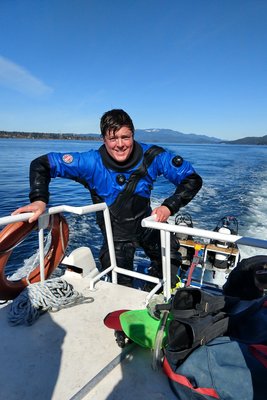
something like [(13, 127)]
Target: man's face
[(119, 145)]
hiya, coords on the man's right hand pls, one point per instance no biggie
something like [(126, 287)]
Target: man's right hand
[(37, 207)]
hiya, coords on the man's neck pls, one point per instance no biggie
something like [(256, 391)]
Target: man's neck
[(130, 163)]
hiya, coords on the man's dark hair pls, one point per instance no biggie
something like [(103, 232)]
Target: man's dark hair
[(114, 120)]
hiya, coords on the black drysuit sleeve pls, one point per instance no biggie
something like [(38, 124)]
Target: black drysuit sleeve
[(184, 193), (39, 179)]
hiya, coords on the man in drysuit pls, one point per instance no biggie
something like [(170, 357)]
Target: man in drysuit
[(121, 173)]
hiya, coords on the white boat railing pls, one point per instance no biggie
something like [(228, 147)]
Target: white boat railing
[(149, 222), (43, 223), (167, 229)]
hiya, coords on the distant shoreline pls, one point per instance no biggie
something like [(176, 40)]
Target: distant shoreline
[(49, 136), (251, 141)]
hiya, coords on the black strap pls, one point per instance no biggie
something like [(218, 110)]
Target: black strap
[(191, 302), (187, 334), (134, 178)]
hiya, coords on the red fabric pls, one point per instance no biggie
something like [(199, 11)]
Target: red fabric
[(259, 351), (192, 267), (182, 380), (112, 320)]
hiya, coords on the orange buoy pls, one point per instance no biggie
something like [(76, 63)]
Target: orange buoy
[(13, 234)]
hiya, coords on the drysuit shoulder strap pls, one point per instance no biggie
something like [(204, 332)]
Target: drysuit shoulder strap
[(134, 178), (141, 171), (151, 153)]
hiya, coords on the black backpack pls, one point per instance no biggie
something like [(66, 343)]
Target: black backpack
[(211, 342), (196, 318)]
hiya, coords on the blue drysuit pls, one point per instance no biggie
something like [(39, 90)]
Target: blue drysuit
[(106, 179)]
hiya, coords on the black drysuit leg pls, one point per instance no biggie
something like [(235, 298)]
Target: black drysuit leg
[(124, 252)]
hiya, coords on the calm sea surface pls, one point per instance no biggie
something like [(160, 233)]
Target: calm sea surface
[(235, 183)]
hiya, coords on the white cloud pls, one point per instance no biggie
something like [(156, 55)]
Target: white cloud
[(15, 77)]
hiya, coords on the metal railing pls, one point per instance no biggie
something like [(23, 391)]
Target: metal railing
[(149, 222), (167, 229), (43, 223)]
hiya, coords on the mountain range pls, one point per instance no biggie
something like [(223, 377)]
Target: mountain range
[(253, 140), (170, 136)]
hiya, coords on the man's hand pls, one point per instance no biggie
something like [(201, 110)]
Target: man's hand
[(37, 207), (162, 213)]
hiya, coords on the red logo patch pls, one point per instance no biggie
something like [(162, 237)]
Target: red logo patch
[(67, 158)]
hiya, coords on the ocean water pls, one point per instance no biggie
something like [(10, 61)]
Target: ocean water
[(234, 183)]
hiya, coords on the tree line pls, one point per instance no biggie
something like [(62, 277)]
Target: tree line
[(54, 136)]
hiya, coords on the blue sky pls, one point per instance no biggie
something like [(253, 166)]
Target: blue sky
[(196, 66)]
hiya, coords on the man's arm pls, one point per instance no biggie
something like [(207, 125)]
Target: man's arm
[(39, 179), (184, 193), (39, 183)]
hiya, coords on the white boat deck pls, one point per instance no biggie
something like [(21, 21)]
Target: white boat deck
[(71, 354)]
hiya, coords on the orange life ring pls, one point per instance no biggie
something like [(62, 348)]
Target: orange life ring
[(13, 234)]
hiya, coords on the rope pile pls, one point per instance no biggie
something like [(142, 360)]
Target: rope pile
[(37, 298)]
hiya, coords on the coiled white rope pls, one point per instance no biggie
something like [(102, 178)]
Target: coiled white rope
[(37, 298)]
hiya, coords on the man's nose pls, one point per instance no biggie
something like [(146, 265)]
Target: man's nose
[(119, 141)]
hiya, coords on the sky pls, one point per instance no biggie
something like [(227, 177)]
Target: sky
[(194, 66)]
